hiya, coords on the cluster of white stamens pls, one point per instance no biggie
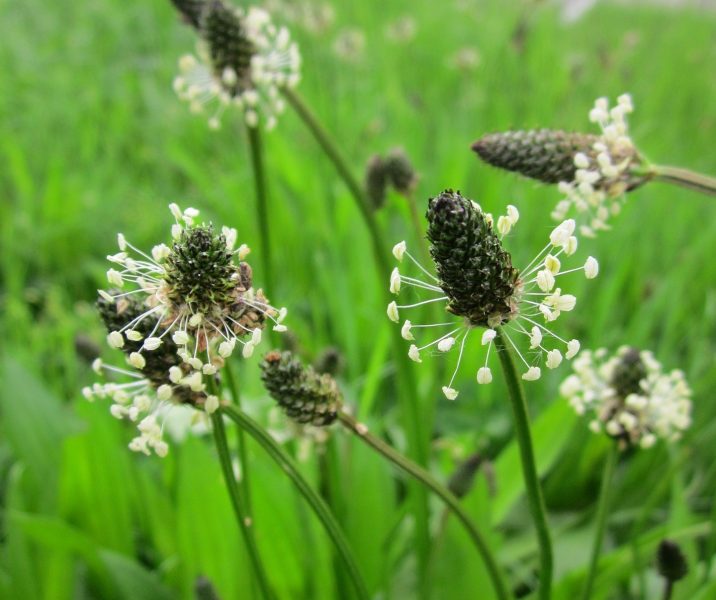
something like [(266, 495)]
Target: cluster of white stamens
[(535, 296), (192, 331), (275, 64), (659, 405), (200, 342), (140, 398), (601, 178)]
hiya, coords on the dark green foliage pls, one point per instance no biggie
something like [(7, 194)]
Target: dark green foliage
[(474, 270), (304, 395), (543, 154)]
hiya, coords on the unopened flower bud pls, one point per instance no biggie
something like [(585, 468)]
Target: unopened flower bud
[(304, 395)]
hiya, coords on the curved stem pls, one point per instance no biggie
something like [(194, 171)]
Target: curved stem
[(425, 478), (602, 511), (314, 500), (417, 440), (244, 522), (684, 178), (529, 468), (245, 482), (668, 589), (259, 173)]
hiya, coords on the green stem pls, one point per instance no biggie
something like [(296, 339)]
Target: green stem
[(529, 468), (314, 500), (668, 589), (417, 441), (259, 173), (245, 482), (602, 512), (426, 479), (684, 178), (244, 522)]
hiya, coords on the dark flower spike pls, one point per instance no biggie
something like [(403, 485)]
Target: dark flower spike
[(190, 10), (400, 172), (243, 62), (670, 561), (375, 181), (543, 154), (629, 397), (305, 396), (177, 313), (593, 171), (479, 285), (163, 380)]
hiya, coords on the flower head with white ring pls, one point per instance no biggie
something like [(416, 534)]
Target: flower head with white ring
[(147, 390), (243, 61), (478, 284), (629, 397), (198, 291)]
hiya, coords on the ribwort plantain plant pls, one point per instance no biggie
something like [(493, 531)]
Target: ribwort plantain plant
[(593, 172)]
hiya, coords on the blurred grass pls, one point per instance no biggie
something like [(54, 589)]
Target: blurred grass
[(93, 141)]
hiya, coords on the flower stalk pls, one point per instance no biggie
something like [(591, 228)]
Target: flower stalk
[(238, 504), (314, 500), (529, 469), (426, 479), (684, 178), (417, 440), (602, 512), (262, 211)]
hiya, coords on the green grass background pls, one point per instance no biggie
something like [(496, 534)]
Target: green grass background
[(93, 141)]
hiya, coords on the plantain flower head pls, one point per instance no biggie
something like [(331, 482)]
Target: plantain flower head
[(243, 61), (306, 396), (629, 397), (482, 290), (593, 171)]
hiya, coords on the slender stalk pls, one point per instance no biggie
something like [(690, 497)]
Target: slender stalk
[(668, 589), (245, 482), (426, 479), (259, 173), (417, 440), (529, 468), (314, 500), (245, 523), (684, 178), (602, 512)]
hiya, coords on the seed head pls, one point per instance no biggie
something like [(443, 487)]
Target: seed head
[(543, 154), (476, 280), (375, 181), (670, 561), (201, 273), (629, 397), (229, 45), (243, 61), (474, 270), (400, 172), (126, 310), (304, 395)]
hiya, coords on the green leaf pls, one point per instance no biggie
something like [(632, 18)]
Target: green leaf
[(550, 433)]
